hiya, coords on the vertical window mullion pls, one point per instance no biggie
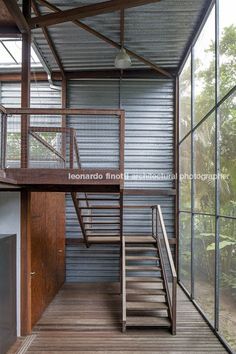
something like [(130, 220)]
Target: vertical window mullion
[(217, 170), (192, 173)]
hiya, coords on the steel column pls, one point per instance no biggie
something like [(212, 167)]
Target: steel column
[(25, 85)]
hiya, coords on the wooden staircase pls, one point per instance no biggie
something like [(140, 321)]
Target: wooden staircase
[(148, 283), (145, 293), (148, 276), (99, 216)]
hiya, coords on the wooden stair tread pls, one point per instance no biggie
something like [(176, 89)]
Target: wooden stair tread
[(100, 207), (139, 239), (140, 249), (102, 223), (90, 199), (148, 321), (102, 230), (145, 298), (144, 268), (141, 258), (140, 291), (133, 305), (100, 216), (144, 279), (145, 285), (106, 239)]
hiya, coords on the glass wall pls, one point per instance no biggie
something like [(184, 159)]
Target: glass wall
[(207, 167)]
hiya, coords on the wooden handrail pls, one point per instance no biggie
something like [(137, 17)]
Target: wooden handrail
[(80, 217), (76, 150), (167, 245), (2, 109), (123, 286), (171, 298), (64, 111), (3, 140), (76, 200)]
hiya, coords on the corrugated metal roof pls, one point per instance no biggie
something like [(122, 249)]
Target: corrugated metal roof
[(159, 32)]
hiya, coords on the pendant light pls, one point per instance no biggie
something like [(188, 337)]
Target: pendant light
[(123, 60)]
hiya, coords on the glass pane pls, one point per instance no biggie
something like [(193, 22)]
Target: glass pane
[(185, 99), (5, 57), (14, 48), (228, 157), (185, 250), (227, 50), (228, 280), (204, 263), (185, 171), (204, 166), (204, 70)]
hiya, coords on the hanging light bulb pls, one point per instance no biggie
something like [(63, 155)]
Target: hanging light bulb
[(123, 60)]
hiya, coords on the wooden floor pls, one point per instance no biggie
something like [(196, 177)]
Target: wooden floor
[(86, 319)]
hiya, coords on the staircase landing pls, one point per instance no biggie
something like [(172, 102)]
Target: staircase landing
[(65, 179)]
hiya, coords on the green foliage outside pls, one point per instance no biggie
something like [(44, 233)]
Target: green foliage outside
[(38, 152), (204, 156)]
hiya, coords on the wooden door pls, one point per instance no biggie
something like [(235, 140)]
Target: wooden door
[(47, 249), (37, 255)]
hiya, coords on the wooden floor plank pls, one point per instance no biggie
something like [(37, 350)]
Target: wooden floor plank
[(85, 318)]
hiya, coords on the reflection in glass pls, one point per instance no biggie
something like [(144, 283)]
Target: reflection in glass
[(185, 250), (185, 99), (204, 166), (228, 280), (228, 157), (204, 263), (204, 69), (185, 171), (227, 49)]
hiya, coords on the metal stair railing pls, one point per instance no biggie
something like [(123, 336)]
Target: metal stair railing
[(167, 263)]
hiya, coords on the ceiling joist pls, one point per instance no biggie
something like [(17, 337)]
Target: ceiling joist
[(108, 40), (85, 11), (17, 15), (49, 40)]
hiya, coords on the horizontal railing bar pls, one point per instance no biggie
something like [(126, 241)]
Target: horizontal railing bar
[(63, 111), (50, 129)]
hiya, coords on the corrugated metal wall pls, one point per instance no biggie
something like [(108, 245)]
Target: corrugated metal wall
[(41, 95), (148, 150)]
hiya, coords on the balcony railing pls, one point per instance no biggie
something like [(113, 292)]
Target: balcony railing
[(35, 138)]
